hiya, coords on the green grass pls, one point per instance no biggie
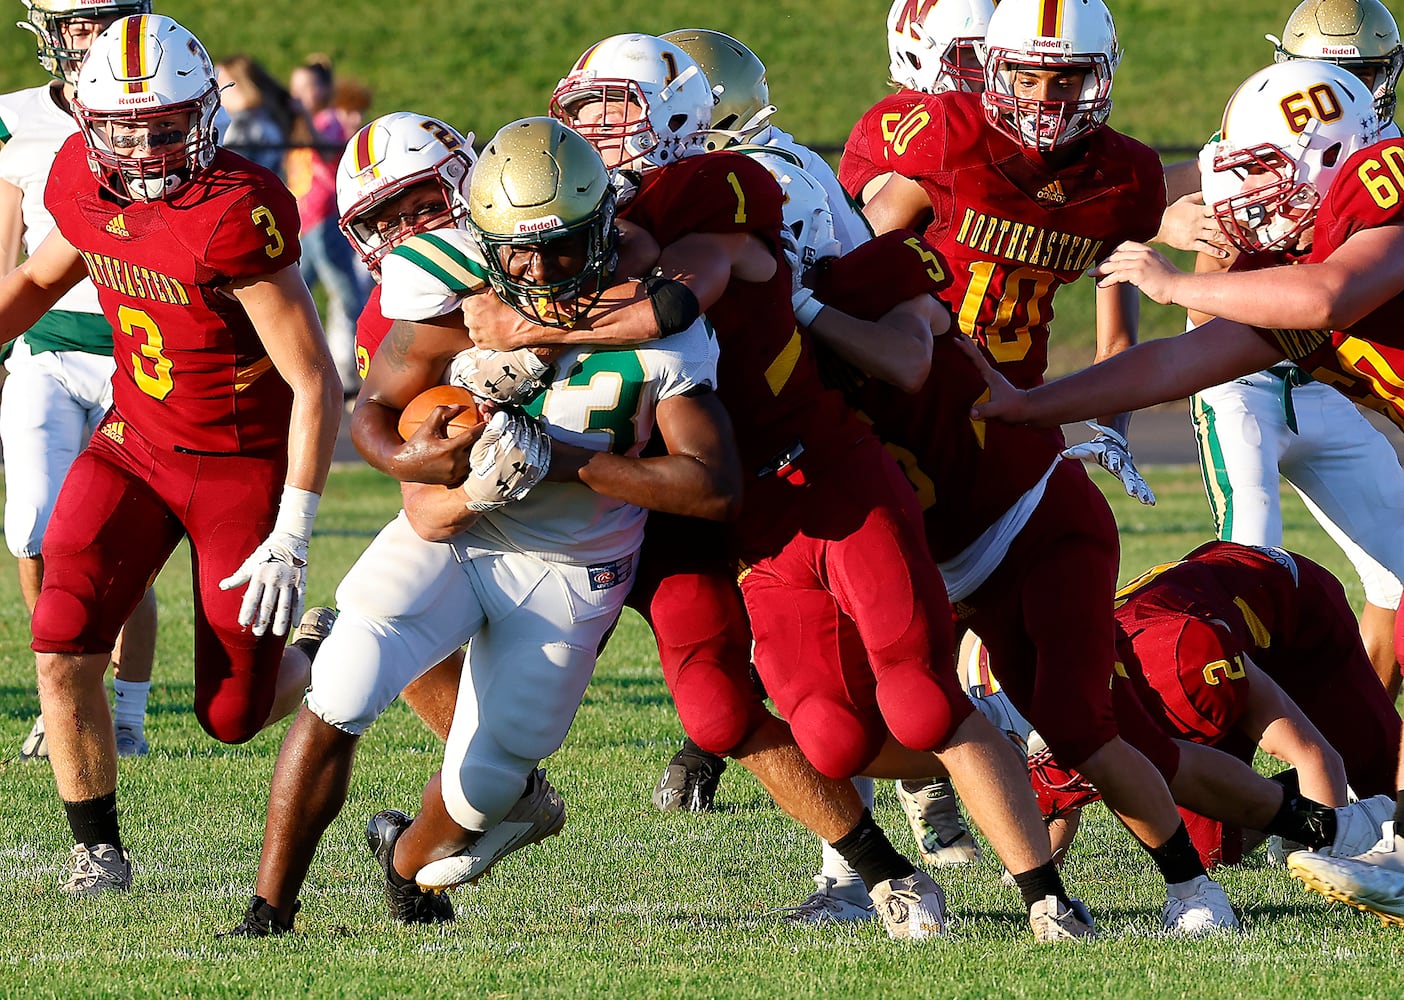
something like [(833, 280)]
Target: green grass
[(628, 902)]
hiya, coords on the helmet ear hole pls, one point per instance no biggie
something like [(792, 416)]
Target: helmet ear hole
[(726, 123), (676, 122), (1331, 155)]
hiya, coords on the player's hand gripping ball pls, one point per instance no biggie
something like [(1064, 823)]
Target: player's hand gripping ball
[(422, 405)]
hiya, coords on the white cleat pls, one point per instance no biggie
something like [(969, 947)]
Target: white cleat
[(1358, 826), (131, 743), (1372, 881), (940, 832), (1198, 907), (538, 814), (912, 908), (1052, 921), (833, 902), (36, 744), (102, 869)]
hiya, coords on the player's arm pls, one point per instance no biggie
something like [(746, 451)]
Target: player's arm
[(1182, 179), (699, 477), (1360, 276), (1209, 264), (30, 290), (1154, 372), (11, 225), (692, 274), (413, 357), (1280, 728), (901, 203), (1118, 319), (895, 348), (436, 513)]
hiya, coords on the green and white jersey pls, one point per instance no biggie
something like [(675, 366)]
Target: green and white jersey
[(602, 399), (33, 127)]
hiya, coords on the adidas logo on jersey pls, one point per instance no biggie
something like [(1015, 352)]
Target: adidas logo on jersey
[(1052, 193), (117, 430), (117, 226)]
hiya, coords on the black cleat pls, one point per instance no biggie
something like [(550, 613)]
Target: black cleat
[(261, 920), (690, 780), (409, 904)]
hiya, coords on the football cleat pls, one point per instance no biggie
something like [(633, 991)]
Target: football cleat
[(1198, 907), (1052, 921), (1373, 881), (35, 745), (934, 814), (409, 904), (261, 920), (131, 742), (102, 868), (690, 780), (1358, 826), (538, 814), (912, 908), (833, 902)]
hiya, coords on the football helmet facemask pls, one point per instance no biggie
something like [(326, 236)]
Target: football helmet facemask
[(1043, 35), (655, 101), (1358, 35), (147, 83), (1286, 131), (386, 158), (542, 209), (737, 76), (931, 44), (46, 21)]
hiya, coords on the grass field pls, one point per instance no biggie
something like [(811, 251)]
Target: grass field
[(629, 901)]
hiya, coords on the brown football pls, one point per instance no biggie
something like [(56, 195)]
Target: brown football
[(440, 395)]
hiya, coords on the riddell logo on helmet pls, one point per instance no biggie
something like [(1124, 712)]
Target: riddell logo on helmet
[(1339, 50), (539, 225), (137, 99), (1042, 43)]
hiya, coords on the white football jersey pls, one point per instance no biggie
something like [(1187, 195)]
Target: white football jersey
[(33, 128), (600, 399), (850, 227)]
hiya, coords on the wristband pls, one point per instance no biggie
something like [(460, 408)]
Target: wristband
[(806, 306), (296, 511), (675, 308)]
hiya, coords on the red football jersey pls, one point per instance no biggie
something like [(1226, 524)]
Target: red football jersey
[(767, 376), (1365, 362), (371, 329), (191, 371), (865, 154), (1012, 229)]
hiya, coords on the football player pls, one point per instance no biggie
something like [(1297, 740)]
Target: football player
[(1281, 421), (223, 394), (534, 571), (718, 218), (59, 381), (1336, 315)]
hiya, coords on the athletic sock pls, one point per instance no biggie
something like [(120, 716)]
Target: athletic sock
[(1040, 883), (94, 821), (129, 705), (869, 852), (1308, 823), (1177, 859)]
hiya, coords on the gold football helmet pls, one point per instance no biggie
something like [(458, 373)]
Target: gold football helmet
[(46, 18), (542, 209), (737, 77), (1358, 35)]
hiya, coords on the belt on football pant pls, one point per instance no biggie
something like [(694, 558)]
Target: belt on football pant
[(783, 465), (1291, 377)]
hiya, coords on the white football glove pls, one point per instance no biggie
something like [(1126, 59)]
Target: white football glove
[(511, 377), (511, 457), (1110, 450), (276, 571), (806, 306)]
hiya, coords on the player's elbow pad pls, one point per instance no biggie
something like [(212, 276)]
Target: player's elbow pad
[(675, 308)]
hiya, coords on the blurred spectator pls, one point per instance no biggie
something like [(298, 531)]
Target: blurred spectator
[(311, 176), (351, 99), (262, 117)]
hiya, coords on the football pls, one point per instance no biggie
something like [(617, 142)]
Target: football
[(440, 395)]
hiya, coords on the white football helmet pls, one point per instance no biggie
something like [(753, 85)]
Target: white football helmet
[(140, 72), (384, 159), (46, 20), (1048, 35), (670, 98), (931, 44), (1286, 131), (1358, 35), (737, 76), (805, 208)]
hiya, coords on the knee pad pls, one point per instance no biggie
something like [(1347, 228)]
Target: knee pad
[(918, 708), (481, 790), (837, 742)]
